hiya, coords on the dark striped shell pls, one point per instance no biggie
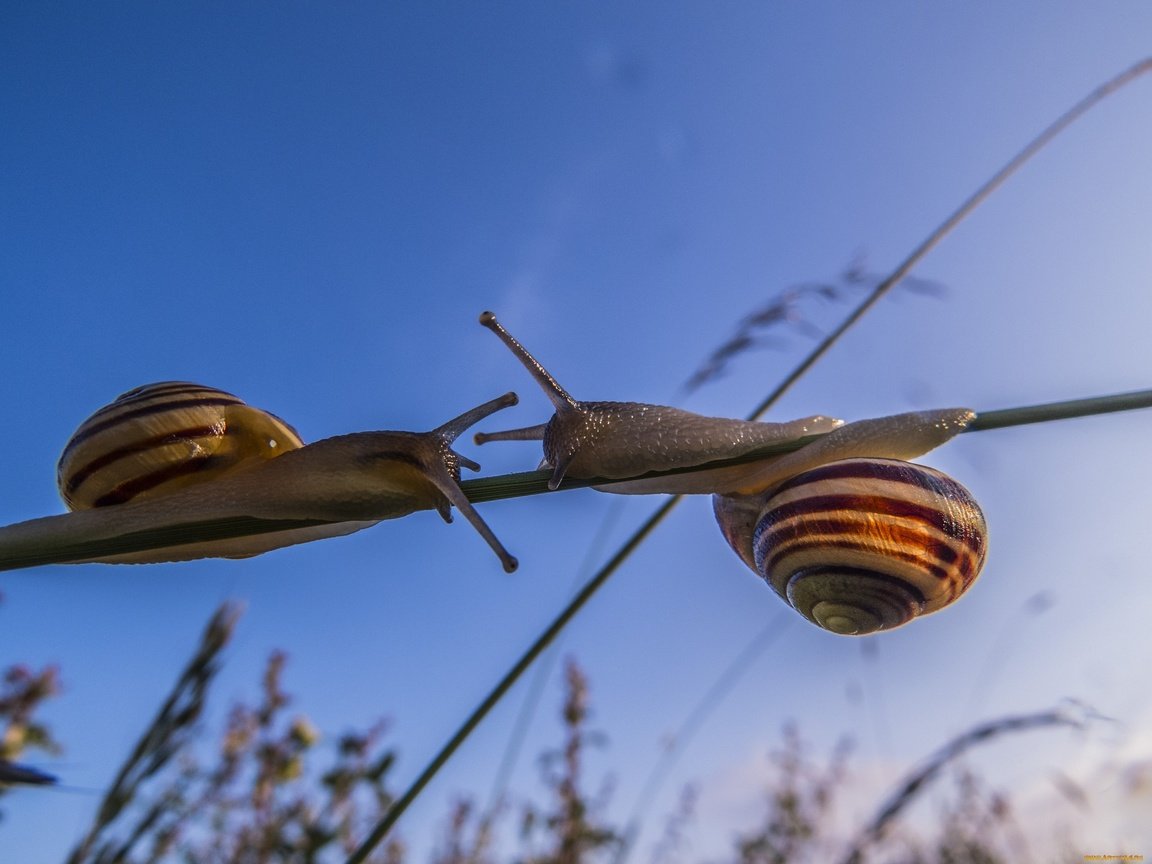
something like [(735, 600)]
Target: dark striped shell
[(863, 545), (162, 437)]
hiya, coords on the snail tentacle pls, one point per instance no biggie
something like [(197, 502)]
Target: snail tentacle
[(557, 394), (528, 433)]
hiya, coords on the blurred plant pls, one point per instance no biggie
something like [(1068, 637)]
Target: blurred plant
[(799, 803), (257, 801), (674, 840), (571, 830), (260, 803), (465, 843), (911, 787), (676, 743), (22, 693), (169, 733), (261, 799), (978, 827)]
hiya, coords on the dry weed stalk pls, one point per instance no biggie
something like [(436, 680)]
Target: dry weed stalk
[(915, 783), (22, 692), (168, 733), (902, 270)]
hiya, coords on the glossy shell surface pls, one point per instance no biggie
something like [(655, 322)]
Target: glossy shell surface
[(162, 437), (862, 545)]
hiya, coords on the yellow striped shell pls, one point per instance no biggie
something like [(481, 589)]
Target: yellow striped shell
[(162, 437), (862, 545)]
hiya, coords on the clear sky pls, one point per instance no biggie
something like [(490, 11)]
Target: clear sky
[(309, 204)]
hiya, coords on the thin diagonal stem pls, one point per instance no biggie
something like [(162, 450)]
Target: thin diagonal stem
[(505, 684), (593, 585), (1011, 167)]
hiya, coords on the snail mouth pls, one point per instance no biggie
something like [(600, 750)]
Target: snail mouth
[(852, 601)]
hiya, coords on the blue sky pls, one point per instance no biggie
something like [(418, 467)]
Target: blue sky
[(309, 207)]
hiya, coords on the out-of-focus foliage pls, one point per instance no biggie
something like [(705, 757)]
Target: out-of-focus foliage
[(571, 829), (272, 789), (257, 799), (799, 800), (22, 692)]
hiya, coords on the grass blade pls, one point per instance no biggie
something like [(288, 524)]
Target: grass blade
[(505, 684)]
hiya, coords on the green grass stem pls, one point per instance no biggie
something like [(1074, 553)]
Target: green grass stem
[(1144, 399), (522, 484), (505, 684)]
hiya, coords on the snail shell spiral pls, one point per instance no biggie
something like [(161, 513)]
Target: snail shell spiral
[(862, 545), (162, 437)]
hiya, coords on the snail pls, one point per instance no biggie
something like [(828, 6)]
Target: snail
[(179, 455), (845, 529), (860, 545), (162, 437), (613, 440)]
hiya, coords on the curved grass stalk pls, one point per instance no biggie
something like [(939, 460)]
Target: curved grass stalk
[(1073, 715), (997, 420), (959, 215)]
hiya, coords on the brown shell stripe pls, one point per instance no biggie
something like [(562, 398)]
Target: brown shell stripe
[(115, 422), (838, 520), (127, 491), (794, 552), (146, 402), (942, 542)]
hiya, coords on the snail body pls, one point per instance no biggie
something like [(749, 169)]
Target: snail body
[(239, 479), (845, 529), (613, 440)]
